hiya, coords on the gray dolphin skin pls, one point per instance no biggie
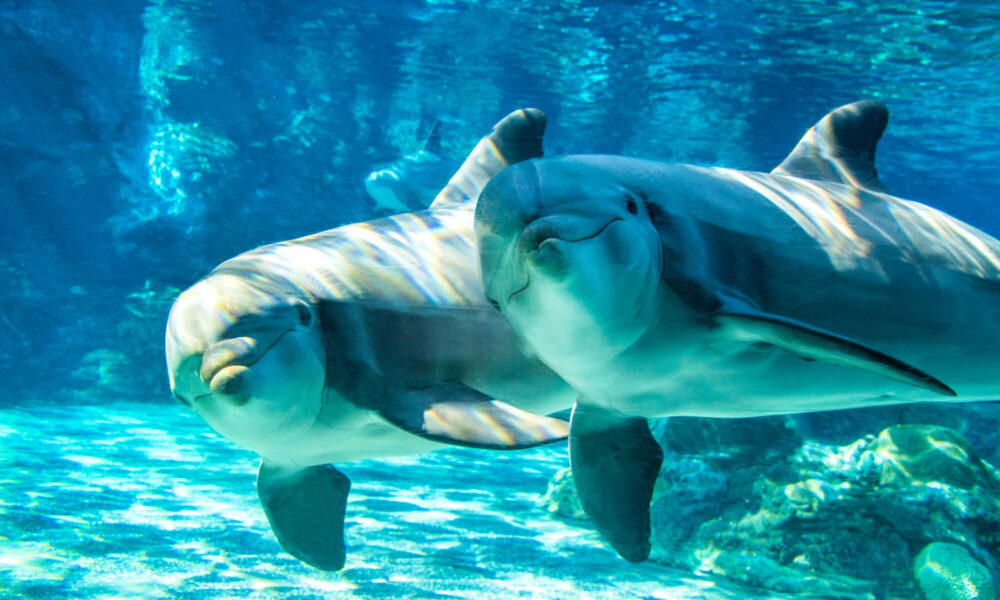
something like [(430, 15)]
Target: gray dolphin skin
[(369, 340), (665, 289)]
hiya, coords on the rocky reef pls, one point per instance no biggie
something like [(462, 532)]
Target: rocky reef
[(912, 511)]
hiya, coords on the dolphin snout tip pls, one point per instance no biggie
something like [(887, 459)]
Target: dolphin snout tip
[(549, 257), (234, 383), (537, 233)]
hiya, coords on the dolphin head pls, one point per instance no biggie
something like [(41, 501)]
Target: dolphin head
[(247, 358), (570, 255)]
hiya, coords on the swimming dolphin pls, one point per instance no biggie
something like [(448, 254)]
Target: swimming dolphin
[(342, 345), (412, 181), (662, 289)]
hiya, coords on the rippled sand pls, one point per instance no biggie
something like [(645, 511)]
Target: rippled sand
[(144, 501)]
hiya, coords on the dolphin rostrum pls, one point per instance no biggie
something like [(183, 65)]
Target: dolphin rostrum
[(343, 345), (663, 289)]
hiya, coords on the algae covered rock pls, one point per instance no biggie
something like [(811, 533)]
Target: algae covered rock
[(688, 492), (841, 521), (756, 438), (561, 498), (924, 453), (948, 572), (933, 486)]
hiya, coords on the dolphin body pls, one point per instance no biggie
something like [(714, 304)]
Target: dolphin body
[(664, 289), (406, 184), (342, 345)]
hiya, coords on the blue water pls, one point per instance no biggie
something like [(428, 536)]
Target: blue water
[(142, 143)]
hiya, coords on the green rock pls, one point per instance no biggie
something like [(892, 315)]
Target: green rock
[(561, 498), (948, 572), (924, 453), (840, 521)]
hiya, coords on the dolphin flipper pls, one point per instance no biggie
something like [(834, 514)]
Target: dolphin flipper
[(454, 413), (615, 462), (812, 343), (306, 510)]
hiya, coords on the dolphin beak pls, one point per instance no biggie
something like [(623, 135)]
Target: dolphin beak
[(234, 382), (225, 365), (217, 330)]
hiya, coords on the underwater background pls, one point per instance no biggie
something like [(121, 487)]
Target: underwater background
[(142, 143)]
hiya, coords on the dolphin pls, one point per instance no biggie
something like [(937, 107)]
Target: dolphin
[(368, 340), (406, 184), (660, 289)]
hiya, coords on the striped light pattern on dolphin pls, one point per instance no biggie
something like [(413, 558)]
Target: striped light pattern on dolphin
[(814, 209), (413, 257), (829, 216)]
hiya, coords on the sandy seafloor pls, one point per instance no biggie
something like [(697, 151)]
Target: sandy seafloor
[(144, 501)]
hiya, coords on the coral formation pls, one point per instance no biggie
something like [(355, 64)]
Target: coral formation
[(947, 572), (838, 520)]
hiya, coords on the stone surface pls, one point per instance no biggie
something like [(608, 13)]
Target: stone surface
[(926, 453), (840, 521), (561, 499)]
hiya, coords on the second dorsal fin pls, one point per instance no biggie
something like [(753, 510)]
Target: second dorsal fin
[(516, 138), (433, 142), (841, 147)]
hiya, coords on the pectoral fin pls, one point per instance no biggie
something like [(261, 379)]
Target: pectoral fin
[(454, 413), (815, 344), (615, 462), (306, 510)]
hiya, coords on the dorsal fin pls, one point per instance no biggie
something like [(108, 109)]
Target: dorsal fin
[(433, 142), (841, 147), (517, 137)]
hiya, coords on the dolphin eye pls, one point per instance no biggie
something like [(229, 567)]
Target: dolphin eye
[(305, 317), (493, 303), (631, 206)]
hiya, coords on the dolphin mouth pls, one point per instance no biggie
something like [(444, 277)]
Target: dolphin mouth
[(518, 291), (552, 228), (230, 355), (537, 242), (599, 231)]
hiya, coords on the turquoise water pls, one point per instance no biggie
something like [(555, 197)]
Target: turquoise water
[(142, 501), (142, 143)]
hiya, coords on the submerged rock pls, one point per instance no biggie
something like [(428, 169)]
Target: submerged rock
[(841, 521), (947, 572), (561, 499), (928, 453)]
